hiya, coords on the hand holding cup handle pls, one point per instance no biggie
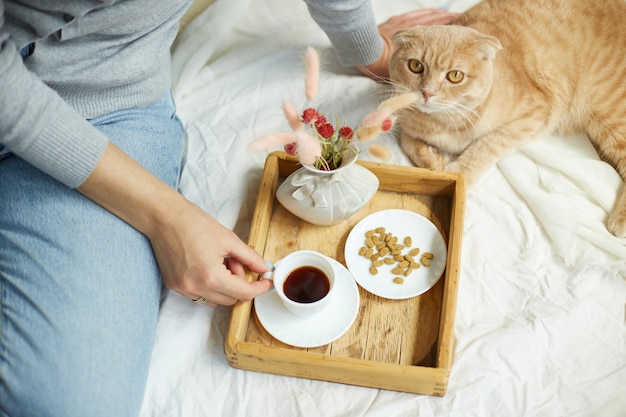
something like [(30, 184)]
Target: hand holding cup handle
[(303, 280), (269, 274)]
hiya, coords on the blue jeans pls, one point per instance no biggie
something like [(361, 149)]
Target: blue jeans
[(79, 288)]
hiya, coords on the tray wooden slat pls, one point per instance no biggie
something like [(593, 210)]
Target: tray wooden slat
[(403, 345)]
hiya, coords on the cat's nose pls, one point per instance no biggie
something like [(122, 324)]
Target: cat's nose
[(427, 94)]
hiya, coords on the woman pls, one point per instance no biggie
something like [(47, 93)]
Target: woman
[(91, 225)]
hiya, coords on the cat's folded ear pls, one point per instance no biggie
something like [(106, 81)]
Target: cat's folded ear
[(486, 46), (403, 36)]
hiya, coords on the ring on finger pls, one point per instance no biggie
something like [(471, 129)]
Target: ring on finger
[(199, 300)]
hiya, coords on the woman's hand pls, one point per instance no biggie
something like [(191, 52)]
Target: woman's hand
[(424, 17), (197, 256)]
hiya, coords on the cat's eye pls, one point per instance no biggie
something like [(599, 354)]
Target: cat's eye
[(416, 66), (455, 76)]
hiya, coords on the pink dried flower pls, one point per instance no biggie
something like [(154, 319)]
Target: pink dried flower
[(380, 152), (309, 148), (324, 144), (312, 79), (333, 141), (377, 118), (291, 148), (346, 132), (291, 115), (365, 134), (326, 130), (321, 120), (399, 102), (269, 141), (310, 115)]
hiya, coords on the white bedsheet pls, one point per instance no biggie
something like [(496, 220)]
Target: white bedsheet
[(540, 326)]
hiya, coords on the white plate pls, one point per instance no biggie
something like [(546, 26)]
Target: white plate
[(318, 329), (401, 223)]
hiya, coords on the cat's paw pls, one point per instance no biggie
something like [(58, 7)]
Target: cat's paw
[(429, 157), (617, 222), (422, 154)]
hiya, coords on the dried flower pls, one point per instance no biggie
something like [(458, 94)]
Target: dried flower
[(311, 116), (376, 118), (380, 152), (386, 125), (291, 114), (334, 141), (290, 148), (325, 130), (326, 144), (346, 132), (308, 148), (278, 139), (312, 79), (366, 134)]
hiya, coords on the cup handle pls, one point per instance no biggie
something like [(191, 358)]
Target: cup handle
[(269, 274)]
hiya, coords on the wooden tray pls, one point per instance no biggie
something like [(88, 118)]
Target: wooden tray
[(402, 345)]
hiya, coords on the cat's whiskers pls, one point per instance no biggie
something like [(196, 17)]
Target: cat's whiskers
[(466, 113), (458, 112), (454, 122), (381, 94)]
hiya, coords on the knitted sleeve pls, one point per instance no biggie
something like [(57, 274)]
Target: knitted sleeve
[(351, 27), (38, 126)]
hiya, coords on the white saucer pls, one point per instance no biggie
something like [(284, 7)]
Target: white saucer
[(401, 223), (319, 329)]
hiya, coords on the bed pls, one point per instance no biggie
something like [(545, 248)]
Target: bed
[(540, 322)]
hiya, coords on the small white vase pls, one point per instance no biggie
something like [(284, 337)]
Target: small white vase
[(328, 197)]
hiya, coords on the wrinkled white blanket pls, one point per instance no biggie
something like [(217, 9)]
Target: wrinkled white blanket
[(541, 321)]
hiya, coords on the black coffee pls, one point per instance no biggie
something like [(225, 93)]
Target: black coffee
[(306, 284)]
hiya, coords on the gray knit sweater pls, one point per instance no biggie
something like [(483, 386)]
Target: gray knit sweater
[(94, 57), (90, 58), (351, 28)]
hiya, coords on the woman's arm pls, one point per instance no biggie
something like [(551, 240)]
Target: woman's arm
[(351, 27), (197, 256)]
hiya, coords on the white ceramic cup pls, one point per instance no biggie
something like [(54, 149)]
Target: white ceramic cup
[(293, 262)]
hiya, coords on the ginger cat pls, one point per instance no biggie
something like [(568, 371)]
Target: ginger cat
[(507, 71)]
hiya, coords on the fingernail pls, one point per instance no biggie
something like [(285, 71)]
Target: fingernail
[(269, 274)]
